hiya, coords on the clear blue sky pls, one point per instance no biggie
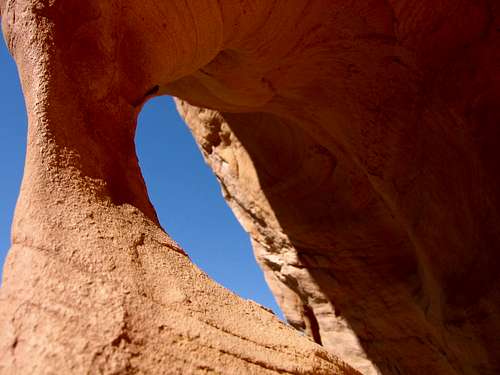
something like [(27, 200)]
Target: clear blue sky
[(189, 202)]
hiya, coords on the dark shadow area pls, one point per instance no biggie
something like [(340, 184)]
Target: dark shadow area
[(354, 249)]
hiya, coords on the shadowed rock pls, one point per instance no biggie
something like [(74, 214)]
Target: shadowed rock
[(355, 141)]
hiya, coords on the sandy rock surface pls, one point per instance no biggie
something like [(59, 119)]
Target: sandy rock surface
[(356, 141)]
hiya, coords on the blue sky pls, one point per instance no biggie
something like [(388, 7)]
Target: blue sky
[(182, 188)]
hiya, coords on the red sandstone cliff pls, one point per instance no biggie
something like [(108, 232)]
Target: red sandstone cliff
[(355, 140)]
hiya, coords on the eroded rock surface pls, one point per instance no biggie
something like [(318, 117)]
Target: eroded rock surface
[(355, 140), (370, 193), (92, 284)]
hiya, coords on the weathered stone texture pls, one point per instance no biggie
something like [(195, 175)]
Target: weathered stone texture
[(356, 141), (371, 194)]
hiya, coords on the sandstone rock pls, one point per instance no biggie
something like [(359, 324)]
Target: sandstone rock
[(92, 284), (369, 193), (356, 142)]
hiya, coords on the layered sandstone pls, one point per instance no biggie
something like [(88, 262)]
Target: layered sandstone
[(355, 141), (371, 194), (92, 284)]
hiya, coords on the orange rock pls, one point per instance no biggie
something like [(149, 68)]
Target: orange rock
[(355, 141)]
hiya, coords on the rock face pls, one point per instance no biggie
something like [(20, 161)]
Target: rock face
[(367, 182), (356, 142), (92, 284)]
